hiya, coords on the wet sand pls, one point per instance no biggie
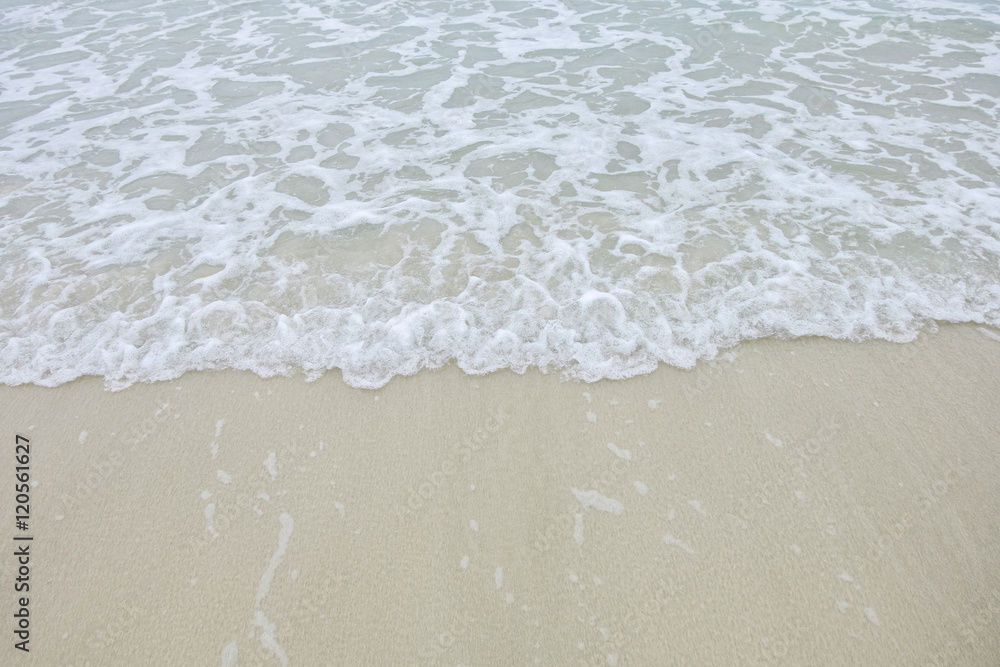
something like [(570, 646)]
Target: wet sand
[(795, 502)]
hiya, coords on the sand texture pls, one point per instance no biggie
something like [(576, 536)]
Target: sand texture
[(804, 502)]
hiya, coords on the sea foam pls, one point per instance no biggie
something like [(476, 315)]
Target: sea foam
[(589, 187)]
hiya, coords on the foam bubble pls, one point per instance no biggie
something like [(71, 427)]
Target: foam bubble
[(597, 188), (598, 501)]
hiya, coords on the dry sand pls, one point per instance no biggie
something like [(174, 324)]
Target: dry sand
[(798, 502)]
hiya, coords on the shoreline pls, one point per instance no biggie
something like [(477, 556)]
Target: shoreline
[(795, 501)]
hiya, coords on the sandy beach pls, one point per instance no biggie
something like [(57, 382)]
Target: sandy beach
[(794, 502), (280, 283)]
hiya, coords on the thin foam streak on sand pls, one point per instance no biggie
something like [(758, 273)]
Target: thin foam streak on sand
[(803, 502)]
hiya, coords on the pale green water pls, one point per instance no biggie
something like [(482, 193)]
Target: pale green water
[(595, 187)]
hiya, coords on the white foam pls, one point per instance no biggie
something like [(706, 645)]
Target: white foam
[(270, 464), (267, 636), (598, 501), (284, 535), (670, 539), (986, 332), (230, 653), (214, 447), (209, 517), (620, 453), (505, 191)]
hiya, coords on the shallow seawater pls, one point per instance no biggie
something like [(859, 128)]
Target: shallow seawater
[(589, 187)]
